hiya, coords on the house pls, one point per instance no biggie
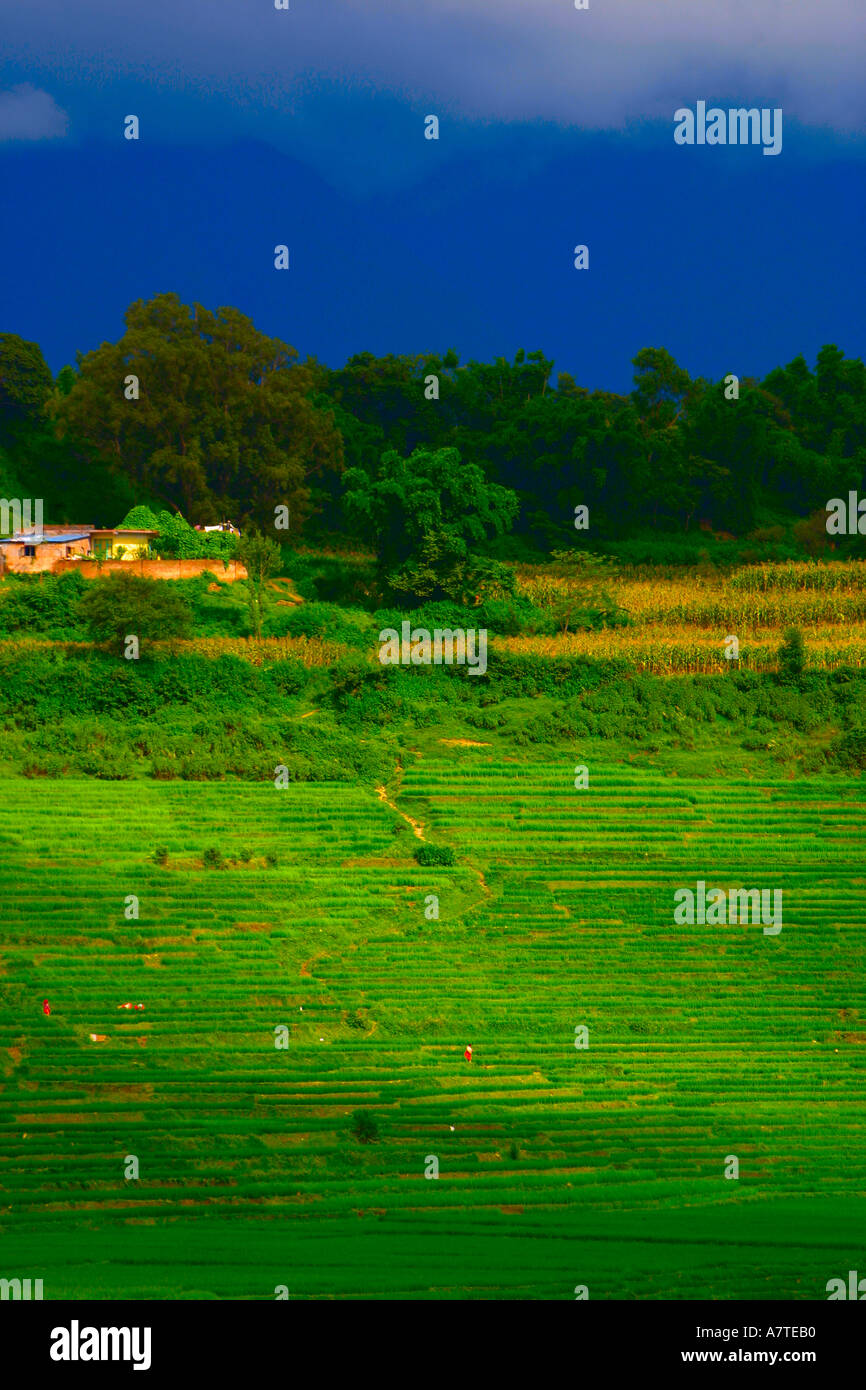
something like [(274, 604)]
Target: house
[(38, 551), (123, 543)]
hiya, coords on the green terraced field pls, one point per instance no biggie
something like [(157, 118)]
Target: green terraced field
[(704, 1041)]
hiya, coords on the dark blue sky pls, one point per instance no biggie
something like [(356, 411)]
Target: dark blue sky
[(733, 260)]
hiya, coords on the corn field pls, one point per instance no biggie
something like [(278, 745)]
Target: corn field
[(807, 595), (669, 648)]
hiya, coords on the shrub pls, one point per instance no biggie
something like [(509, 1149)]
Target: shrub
[(849, 751), (46, 766), (200, 769), (434, 855), (160, 856), (139, 518), (271, 861), (792, 654), (365, 1126), (289, 676), (44, 604), (212, 859), (128, 603), (106, 767), (509, 617)]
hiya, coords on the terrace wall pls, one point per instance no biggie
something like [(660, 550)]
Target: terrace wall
[(156, 569)]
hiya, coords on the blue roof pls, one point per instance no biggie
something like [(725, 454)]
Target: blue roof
[(28, 538)]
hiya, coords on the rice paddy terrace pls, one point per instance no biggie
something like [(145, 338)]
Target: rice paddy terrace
[(559, 1166)]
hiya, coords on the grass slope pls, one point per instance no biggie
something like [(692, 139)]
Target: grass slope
[(601, 1167)]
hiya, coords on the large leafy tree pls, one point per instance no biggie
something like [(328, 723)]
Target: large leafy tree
[(424, 515), (124, 604), (25, 383), (224, 424), (661, 388), (73, 485)]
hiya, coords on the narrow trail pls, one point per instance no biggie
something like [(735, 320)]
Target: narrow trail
[(416, 828)]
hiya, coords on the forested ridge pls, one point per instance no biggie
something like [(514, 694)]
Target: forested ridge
[(230, 422)]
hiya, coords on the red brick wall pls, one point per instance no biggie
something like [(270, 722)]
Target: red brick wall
[(156, 569)]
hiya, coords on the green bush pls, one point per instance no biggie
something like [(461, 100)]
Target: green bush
[(213, 859), (162, 771), (792, 654), (139, 518), (365, 1126), (122, 604), (201, 768), (43, 605), (430, 856), (179, 541), (849, 751), (288, 677)]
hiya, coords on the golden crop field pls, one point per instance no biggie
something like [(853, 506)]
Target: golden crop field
[(680, 624), (668, 648)]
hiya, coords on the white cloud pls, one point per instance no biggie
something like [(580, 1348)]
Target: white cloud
[(505, 60), (26, 113)]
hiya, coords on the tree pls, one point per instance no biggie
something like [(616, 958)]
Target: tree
[(586, 602), (792, 654), (223, 424), (25, 382), (261, 558), (127, 604), (423, 515), (365, 1126), (65, 380), (10, 485), (660, 386)]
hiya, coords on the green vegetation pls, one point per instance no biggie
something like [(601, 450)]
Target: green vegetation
[(140, 518), (123, 604), (230, 423), (792, 654), (178, 540), (259, 832), (441, 856), (424, 516), (703, 1042), (365, 1126), (261, 557), (222, 407)]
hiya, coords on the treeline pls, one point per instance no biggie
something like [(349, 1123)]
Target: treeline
[(198, 411)]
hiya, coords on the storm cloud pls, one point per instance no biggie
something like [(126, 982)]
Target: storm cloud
[(620, 61)]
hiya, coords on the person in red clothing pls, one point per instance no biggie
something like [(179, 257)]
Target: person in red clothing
[(46, 1007), (468, 1054)]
